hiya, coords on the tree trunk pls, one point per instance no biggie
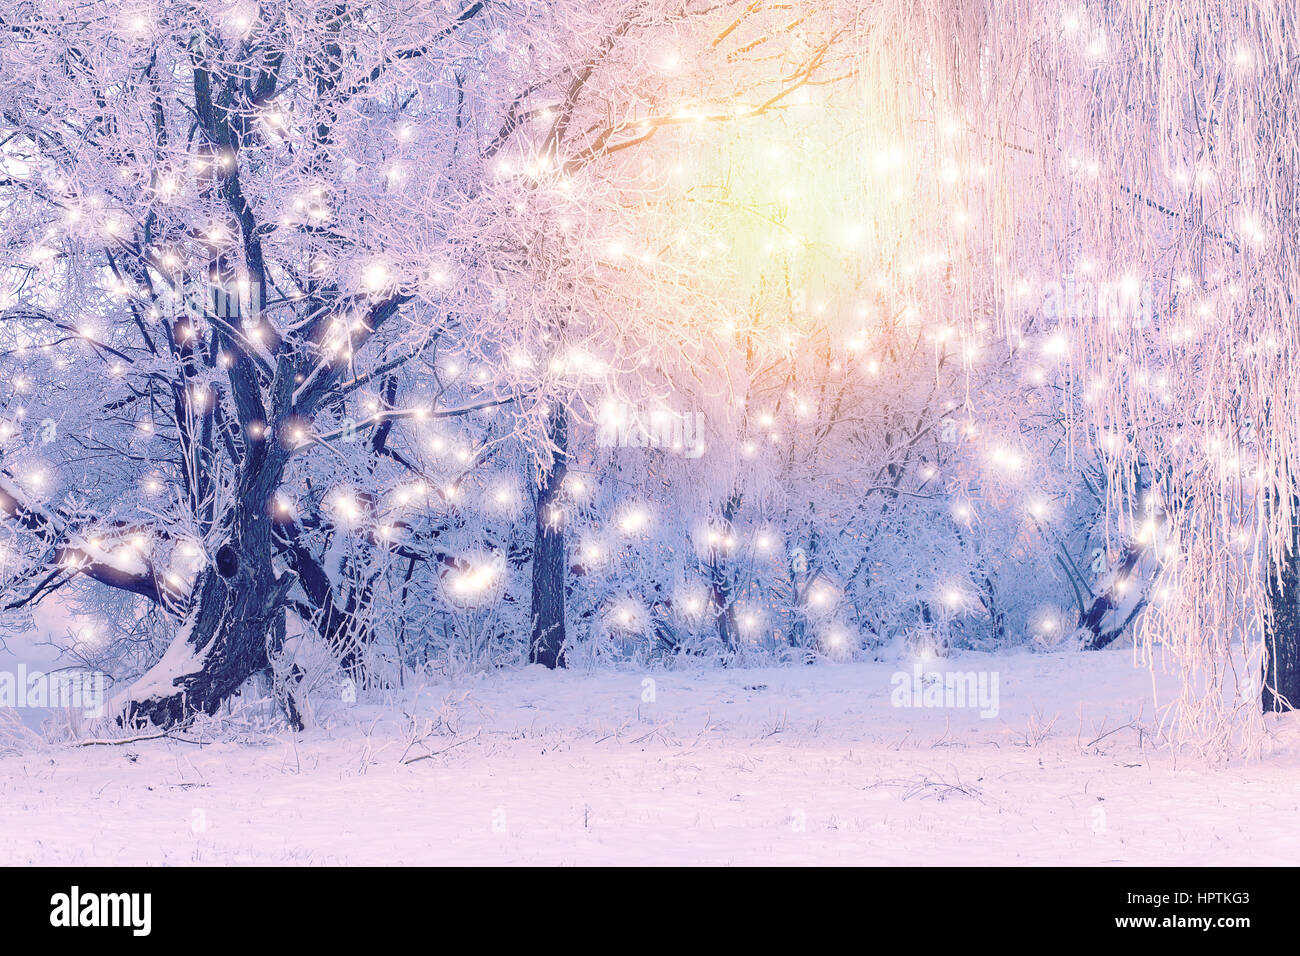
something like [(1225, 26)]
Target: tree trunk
[(238, 601), (226, 635), (723, 601), (1281, 683), (724, 611), (547, 644), (1109, 614)]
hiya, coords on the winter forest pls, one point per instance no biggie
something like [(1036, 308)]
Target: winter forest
[(577, 406)]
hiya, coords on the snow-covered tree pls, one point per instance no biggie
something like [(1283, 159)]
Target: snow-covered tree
[(320, 320), (280, 235)]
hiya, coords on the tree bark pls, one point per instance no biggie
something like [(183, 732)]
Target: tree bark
[(547, 643), (722, 599), (1281, 678), (231, 619)]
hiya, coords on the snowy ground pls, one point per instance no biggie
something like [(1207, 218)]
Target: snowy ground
[(807, 765)]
